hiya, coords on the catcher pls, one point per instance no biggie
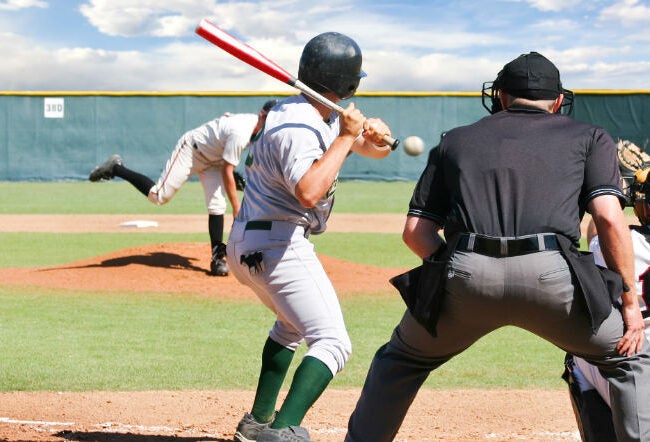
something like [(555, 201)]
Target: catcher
[(211, 151), (588, 388)]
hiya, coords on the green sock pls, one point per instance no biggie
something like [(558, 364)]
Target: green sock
[(310, 380), (275, 363)]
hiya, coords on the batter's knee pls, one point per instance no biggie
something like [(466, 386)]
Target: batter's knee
[(334, 353)]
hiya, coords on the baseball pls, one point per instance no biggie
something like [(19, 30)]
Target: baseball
[(413, 145)]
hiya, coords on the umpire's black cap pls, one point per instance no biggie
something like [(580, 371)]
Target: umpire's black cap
[(531, 76)]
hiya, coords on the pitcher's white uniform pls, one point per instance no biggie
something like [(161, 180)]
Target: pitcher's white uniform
[(268, 246), (202, 151), (641, 246)]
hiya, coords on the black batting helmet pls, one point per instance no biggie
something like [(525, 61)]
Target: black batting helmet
[(331, 62)]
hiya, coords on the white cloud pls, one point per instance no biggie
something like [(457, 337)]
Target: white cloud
[(591, 67), (431, 72), (146, 17), (14, 5), (553, 5), (628, 13), (203, 67), (425, 53), (271, 18)]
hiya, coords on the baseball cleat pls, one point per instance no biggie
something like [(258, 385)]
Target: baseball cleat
[(248, 429), (288, 434), (219, 268), (105, 171)]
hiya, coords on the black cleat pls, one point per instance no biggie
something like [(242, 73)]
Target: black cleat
[(105, 171)]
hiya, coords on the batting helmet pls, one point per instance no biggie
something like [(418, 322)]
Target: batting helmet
[(331, 62)]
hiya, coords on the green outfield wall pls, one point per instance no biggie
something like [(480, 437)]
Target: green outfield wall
[(59, 136)]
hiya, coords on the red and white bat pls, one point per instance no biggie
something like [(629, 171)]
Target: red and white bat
[(248, 55)]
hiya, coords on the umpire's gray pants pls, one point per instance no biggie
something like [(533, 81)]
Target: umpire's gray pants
[(533, 292)]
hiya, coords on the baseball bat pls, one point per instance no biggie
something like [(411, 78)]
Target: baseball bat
[(252, 57)]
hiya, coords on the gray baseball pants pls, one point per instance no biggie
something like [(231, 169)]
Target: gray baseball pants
[(534, 292)]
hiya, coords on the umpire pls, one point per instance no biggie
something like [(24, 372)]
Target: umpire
[(510, 191)]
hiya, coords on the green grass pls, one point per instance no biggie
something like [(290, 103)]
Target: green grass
[(62, 340), (119, 197), (75, 341)]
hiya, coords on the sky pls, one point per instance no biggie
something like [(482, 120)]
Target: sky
[(407, 45)]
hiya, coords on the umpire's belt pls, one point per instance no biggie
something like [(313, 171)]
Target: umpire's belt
[(500, 247)]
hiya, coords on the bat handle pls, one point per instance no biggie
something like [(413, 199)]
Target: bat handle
[(390, 141)]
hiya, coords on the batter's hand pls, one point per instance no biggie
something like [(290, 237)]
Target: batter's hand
[(351, 121), (374, 131), (632, 341)]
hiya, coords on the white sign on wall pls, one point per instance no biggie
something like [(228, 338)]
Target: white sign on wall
[(54, 107)]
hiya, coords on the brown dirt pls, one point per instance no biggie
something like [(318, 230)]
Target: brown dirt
[(176, 268), (157, 416)]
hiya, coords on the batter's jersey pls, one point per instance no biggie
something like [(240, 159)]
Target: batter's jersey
[(223, 138), (293, 138), (517, 172), (641, 246)]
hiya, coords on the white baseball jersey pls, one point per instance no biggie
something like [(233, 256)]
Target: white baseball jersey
[(588, 375), (224, 138), (202, 151), (268, 244), (295, 136)]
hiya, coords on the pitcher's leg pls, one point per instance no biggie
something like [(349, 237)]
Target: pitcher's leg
[(178, 169)]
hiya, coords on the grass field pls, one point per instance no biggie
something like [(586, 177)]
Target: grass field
[(57, 340)]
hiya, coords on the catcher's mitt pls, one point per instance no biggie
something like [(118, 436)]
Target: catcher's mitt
[(240, 181), (630, 158)]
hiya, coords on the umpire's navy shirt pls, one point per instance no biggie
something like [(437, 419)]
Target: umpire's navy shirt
[(520, 171)]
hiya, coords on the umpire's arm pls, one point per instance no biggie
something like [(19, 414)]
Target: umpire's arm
[(421, 236), (616, 245)]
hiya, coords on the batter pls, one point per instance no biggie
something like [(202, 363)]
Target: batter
[(291, 179)]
